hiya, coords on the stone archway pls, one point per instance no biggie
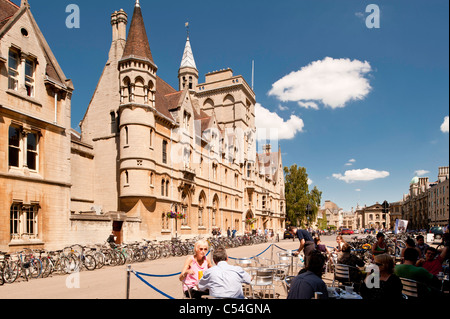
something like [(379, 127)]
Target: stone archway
[(249, 226)]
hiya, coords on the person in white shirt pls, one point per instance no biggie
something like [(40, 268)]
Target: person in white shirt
[(224, 280)]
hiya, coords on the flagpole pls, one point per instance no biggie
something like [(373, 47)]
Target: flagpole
[(253, 74)]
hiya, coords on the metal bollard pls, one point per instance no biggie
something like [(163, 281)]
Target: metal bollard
[(128, 281)]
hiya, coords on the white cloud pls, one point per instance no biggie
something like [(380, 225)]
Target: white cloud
[(357, 175), (270, 125), (308, 105), (350, 162), (358, 190), (282, 108), (444, 126), (421, 172), (333, 82), (360, 15)]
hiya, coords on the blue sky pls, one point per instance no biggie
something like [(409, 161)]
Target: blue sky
[(363, 109)]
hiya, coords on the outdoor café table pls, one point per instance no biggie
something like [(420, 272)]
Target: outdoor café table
[(337, 293), (444, 280)]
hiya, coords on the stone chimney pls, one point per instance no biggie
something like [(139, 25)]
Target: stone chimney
[(443, 174), (119, 20)]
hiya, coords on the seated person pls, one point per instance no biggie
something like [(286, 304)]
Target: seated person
[(321, 247), (410, 243), (347, 258), (421, 245), (432, 263), (390, 287), (380, 246), (224, 280), (409, 270), (193, 269), (309, 281)]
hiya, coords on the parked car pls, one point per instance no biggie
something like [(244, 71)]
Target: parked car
[(287, 234), (438, 233), (436, 230), (346, 231)]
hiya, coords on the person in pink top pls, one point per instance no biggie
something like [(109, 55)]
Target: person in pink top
[(193, 269)]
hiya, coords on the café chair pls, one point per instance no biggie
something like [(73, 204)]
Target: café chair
[(342, 274), (281, 272), (264, 262), (263, 284), (245, 263), (288, 281), (410, 288), (183, 291)]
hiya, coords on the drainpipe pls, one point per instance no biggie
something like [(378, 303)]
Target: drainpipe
[(56, 107)]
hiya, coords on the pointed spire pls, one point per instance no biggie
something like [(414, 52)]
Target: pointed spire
[(188, 60), (137, 45)]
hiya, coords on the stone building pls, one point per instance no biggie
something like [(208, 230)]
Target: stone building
[(438, 199), (415, 203), (372, 217), (145, 149), (426, 204), (35, 110), (333, 213)]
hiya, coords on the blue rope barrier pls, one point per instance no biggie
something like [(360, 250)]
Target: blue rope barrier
[(151, 286), (280, 247), (151, 275), (253, 256)]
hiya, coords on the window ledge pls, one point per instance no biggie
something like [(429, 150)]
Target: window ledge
[(25, 97), (21, 242)]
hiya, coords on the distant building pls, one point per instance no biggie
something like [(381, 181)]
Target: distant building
[(438, 200), (333, 213), (426, 204), (372, 217)]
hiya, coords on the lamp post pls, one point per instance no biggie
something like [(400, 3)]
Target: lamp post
[(308, 213)]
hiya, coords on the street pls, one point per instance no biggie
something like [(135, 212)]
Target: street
[(110, 282)]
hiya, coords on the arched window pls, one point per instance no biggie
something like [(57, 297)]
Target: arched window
[(167, 188)]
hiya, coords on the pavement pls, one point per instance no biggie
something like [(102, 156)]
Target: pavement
[(111, 282)]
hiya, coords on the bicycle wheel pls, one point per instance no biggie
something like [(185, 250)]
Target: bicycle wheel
[(109, 258), (89, 262), (99, 259), (46, 267), (62, 265), (120, 258), (73, 264), (2, 281), (151, 253), (35, 268), (11, 271)]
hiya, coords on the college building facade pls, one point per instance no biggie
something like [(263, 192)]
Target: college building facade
[(145, 153)]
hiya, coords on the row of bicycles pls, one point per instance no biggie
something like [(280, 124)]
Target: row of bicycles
[(31, 264), (362, 246)]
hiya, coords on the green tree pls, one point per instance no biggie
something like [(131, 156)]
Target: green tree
[(298, 196)]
